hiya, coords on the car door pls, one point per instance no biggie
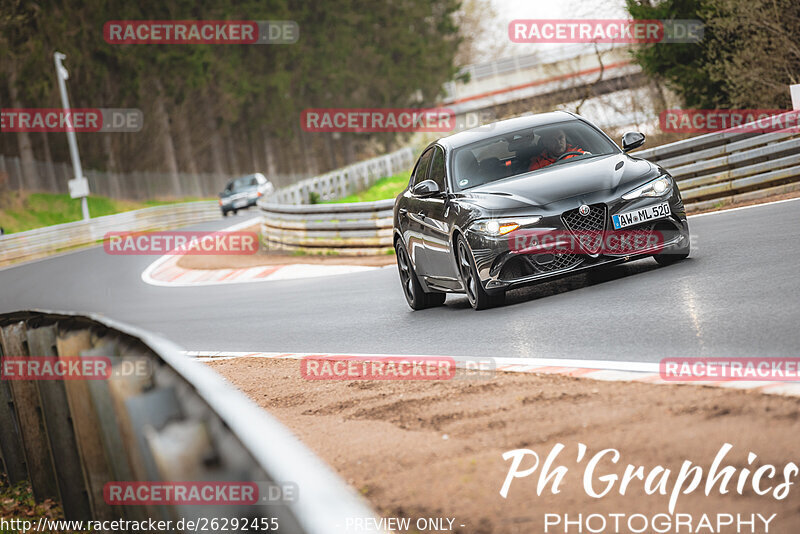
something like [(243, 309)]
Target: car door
[(440, 268), (410, 215)]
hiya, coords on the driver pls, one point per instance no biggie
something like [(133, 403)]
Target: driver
[(555, 145)]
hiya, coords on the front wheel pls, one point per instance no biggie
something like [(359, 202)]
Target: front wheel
[(416, 297), (667, 259), (478, 298)]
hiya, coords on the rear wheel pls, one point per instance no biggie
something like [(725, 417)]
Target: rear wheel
[(479, 299), (416, 297)]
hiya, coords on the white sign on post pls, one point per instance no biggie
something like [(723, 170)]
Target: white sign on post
[(78, 188)]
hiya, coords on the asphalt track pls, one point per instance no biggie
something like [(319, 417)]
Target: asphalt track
[(737, 295)]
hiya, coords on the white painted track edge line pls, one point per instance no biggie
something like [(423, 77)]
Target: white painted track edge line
[(728, 210), (533, 365), (611, 365)]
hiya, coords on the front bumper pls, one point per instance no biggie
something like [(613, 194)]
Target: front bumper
[(503, 264), (238, 203)]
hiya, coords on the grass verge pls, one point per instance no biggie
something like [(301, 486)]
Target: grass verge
[(26, 211), (384, 188)]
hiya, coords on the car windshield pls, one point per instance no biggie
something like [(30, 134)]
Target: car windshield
[(527, 150), (239, 184)]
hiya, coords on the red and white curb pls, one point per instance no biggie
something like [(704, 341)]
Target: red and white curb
[(612, 371), (165, 271)]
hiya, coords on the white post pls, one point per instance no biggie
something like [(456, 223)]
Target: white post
[(79, 186), (795, 91)]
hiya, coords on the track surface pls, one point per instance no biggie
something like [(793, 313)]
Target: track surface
[(737, 295)]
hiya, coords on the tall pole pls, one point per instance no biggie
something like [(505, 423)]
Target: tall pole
[(62, 75)]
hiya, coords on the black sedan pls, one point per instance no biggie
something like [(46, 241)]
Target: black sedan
[(529, 199), (241, 193)]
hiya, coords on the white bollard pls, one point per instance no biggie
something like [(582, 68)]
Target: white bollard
[(795, 91)]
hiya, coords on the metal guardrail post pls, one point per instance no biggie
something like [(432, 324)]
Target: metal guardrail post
[(58, 423), (30, 417), (11, 450), (89, 440)]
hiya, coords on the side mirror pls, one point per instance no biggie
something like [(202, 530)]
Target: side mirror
[(426, 188), (632, 140)]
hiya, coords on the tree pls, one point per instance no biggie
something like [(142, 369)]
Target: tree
[(747, 58)]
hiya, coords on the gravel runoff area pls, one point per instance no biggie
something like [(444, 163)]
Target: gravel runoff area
[(434, 449)]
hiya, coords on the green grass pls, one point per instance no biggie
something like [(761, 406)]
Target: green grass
[(26, 211), (384, 188)]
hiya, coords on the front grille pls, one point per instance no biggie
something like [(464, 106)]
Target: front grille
[(559, 262), (595, 221), (529, 264)]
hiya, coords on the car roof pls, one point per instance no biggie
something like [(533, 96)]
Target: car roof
[(479, 133)]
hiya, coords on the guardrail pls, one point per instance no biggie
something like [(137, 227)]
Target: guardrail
[(721, 167), (177, 422), (344, 181), (33, 244), (358, 228)]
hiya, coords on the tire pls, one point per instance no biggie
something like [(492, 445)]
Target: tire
[(416, 297), (478, 298), (668, 259)]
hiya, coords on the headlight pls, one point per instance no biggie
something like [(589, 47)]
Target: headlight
[(655, 188), (498, 227)]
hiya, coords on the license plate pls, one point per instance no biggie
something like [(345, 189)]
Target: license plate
[(629, 218), (240, 204)]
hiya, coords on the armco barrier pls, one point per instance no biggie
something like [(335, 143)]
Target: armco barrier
[(358, 228), (344, 181), (179, 421), (32, 244), (731, 167)]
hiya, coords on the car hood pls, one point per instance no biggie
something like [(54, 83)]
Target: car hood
[(615, 174)]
